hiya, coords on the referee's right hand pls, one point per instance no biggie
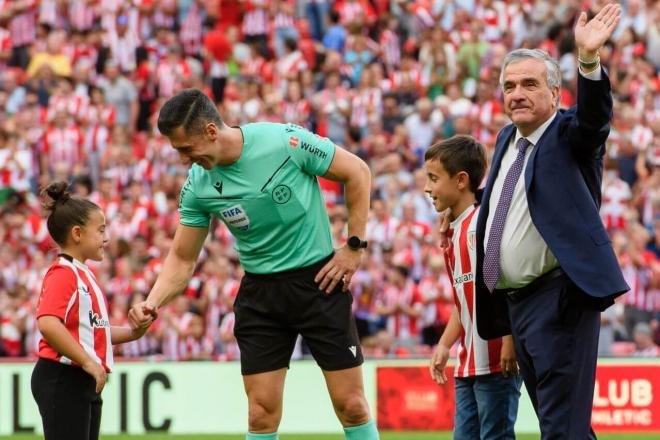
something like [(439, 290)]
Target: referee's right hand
[(97, 372)]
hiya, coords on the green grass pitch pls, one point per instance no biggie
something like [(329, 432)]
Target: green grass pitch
[(384, 436)]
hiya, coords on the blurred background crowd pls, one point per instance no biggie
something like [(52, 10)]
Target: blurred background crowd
[(81, 82)]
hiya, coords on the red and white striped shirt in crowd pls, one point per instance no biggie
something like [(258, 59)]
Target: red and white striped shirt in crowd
[(484, 113), (412, 76), (256, 20), (476, 356), (35, 230), (350, 11), (332, 191), (229, 349), (23, 26), (494, 22), (365, 104), (163, 16), (75, 105), (399, 324), (289, 66), (170, 74), (81, 14), (296, 112), (10, 332), (48, 13), (285, 15), (71, 293), (5, 40), (437, 296), (421, 10), (64, 145), (191, 31), (123, 49), (104, 115), (641, 295), (382, 231), (391, 48), (414, 230), (97, 138), (616, 195)]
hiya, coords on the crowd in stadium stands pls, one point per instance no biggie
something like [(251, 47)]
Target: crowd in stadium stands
[(81, 82)]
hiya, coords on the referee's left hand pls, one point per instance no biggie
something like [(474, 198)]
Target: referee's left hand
[(341, 267)]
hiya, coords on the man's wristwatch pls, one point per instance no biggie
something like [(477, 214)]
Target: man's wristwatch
[(354, 242)]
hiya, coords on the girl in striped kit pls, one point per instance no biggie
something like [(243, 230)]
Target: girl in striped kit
[(75, 353)]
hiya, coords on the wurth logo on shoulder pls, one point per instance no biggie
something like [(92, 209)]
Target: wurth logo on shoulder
[(96, 321), (313, 150), (293, 141)]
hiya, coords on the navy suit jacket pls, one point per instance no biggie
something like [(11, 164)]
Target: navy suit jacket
[(563, 185)]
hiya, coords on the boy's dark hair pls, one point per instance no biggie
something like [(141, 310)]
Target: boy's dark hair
[(190, 109), (66, 211), (460, 153)]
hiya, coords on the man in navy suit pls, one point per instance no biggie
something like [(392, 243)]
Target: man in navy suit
[(546, 267)]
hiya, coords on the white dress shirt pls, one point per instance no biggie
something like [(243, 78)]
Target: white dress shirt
[(524, 255)]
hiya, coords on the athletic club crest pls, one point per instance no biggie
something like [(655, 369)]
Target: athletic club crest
[(472, 240)]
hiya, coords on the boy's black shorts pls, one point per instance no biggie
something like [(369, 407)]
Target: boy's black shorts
[(271, 310)]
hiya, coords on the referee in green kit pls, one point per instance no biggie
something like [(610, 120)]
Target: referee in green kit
[(260, 179)]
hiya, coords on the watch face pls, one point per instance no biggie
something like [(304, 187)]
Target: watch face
[(353, 242)]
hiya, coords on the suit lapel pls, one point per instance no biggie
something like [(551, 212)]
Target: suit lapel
[(529, 169)]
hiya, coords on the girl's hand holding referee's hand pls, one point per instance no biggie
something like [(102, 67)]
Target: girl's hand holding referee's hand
[(341, 267), (97, 372), (142, 315)]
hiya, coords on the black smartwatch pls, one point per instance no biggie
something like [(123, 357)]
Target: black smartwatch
[(354, 242)]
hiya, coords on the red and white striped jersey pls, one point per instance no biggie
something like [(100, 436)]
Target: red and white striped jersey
[(191, 31), (296, 112), (74, 105), (285, 15), (437, 295), (23, 26), (476, 356), (391, 47), (641, 295), (399, 324), (5, 40), (256, 19), (71, 293), (64, 145), (81, 14), (351, 11), (229, 349), (366, 105), (382, 231), (616, 195)]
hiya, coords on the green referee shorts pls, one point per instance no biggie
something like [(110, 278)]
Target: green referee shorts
[(271, 310)]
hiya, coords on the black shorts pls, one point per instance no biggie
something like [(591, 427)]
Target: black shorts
[(271, 310), (68, 403)]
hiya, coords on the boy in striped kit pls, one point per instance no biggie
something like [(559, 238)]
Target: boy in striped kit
[(487, 381)]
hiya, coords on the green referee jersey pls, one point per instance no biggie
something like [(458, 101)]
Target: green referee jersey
[(270, 198)]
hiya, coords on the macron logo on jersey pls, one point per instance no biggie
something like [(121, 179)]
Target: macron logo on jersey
[(96, 321)]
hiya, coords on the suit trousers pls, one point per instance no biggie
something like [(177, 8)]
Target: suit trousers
[(555, 331)]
